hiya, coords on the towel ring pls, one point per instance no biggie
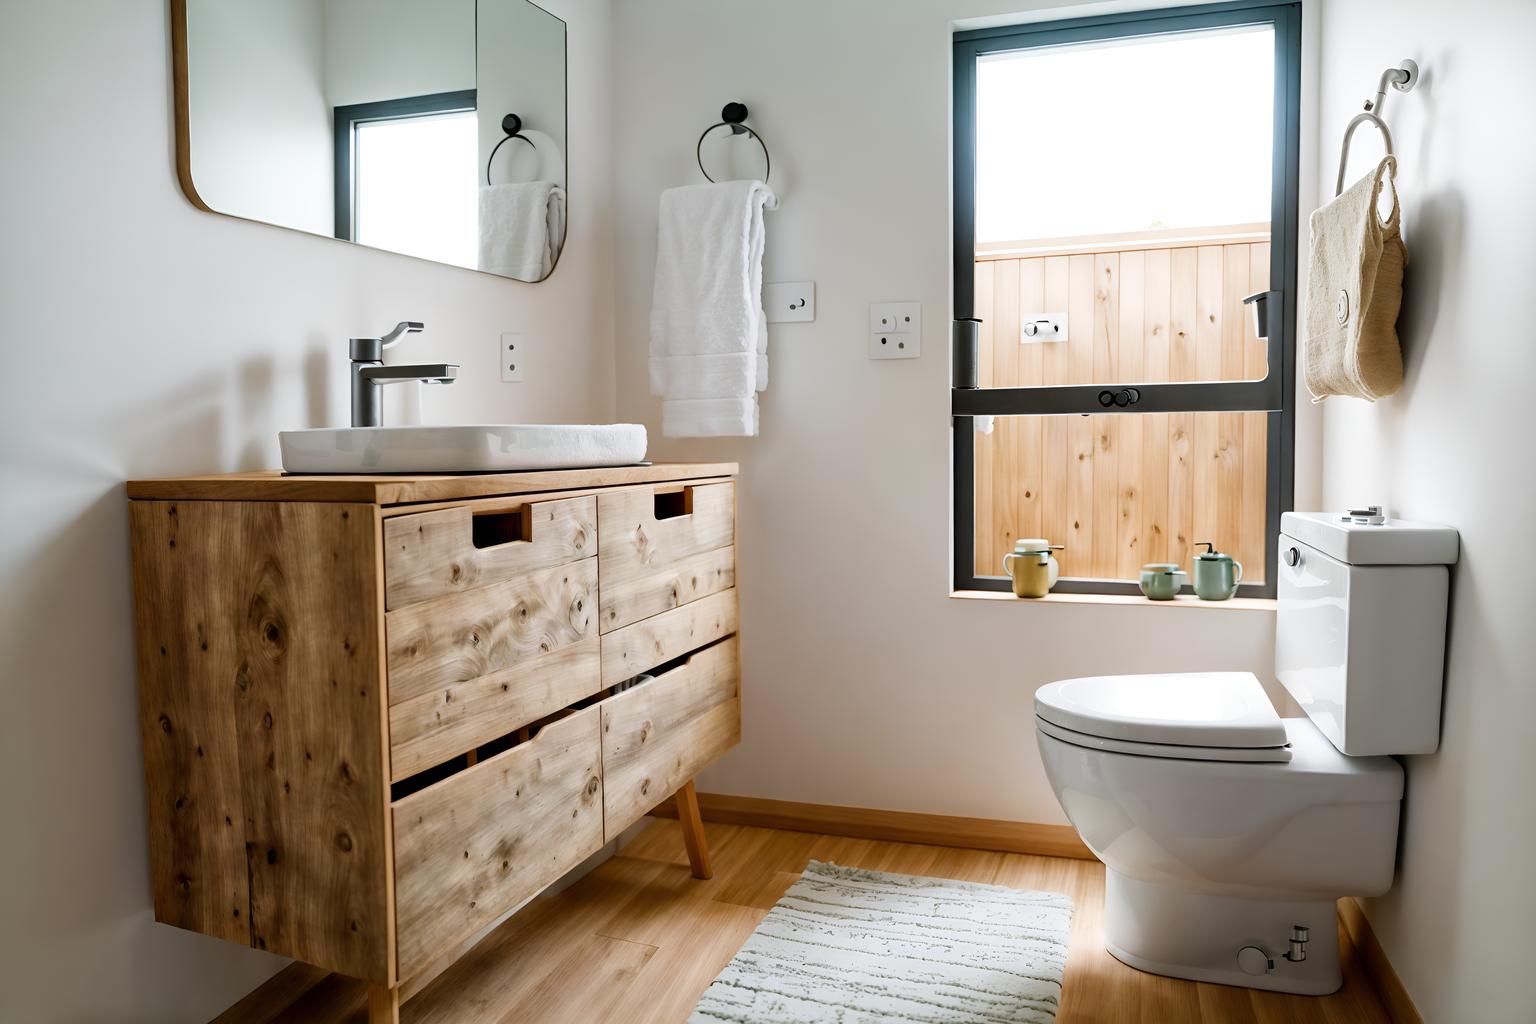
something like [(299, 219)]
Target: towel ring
[(513, 126), (732, 116), (1402, 78)]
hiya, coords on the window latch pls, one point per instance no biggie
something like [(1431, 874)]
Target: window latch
[(1121, 398)]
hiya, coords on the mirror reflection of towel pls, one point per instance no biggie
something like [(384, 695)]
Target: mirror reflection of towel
[(522, 228)]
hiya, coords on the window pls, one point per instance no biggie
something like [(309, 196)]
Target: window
[(1122, 183), (405, 176)]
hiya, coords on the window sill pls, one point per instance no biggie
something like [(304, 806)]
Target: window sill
[(1248, 604)]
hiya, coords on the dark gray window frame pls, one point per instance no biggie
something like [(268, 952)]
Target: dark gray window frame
[(344, 122), (1274, 395)]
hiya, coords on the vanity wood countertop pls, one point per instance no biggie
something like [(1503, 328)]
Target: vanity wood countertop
[(403, 489)]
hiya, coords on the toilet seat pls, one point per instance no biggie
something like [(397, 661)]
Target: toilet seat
[(1256, 755), (1205, 716)]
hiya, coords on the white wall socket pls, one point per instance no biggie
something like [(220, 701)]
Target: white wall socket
[(791, 302), (895, 330), (512, 351)]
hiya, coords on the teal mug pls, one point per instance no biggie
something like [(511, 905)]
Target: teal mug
[(1216, 575), (1162, 581)]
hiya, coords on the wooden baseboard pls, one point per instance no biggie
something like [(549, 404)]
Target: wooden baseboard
[(1389, 987), (890, 826)]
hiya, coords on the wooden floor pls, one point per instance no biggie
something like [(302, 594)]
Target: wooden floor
[(639, 939)]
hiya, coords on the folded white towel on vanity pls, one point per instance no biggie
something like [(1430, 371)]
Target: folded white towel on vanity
[(709, 337), (522, 228)]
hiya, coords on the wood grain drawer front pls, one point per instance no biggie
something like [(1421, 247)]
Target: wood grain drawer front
[(477, 844), (466, 668), (434, 554), (634, 649), (445, 721), (660, 548), (658, 735)]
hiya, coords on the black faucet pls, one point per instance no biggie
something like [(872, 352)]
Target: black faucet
[(369, 373)]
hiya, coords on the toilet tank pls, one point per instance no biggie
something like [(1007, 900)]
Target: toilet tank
[(1360, 633)]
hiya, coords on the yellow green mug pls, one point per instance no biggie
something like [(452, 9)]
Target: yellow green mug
[(1031, 567)]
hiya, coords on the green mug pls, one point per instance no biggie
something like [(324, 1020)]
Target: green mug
[(1216, 575), (1162, 581)]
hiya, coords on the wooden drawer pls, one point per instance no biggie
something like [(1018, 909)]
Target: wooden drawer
[(651, 642), (435, 554), (659, 735), (662, 547), (467, 667), (477, 844)]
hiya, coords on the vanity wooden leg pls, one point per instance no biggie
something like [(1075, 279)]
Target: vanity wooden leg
[(383, 1005), (693, 831)]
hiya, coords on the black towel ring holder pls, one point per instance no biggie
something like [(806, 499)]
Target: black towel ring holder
[(732, 117), (513, 126)]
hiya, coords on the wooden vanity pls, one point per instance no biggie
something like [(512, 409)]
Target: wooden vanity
[(381, 712)]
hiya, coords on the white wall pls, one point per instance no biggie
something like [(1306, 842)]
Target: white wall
[(865, 684), (1454, 447), (145, 337), (263, 153)]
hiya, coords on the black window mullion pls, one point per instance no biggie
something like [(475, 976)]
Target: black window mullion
[(1088, 399), (964, 147)]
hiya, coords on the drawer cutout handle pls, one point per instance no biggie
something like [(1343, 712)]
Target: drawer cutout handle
[(674, 503), (494, 529)]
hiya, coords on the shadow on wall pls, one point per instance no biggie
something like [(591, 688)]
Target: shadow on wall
[(257, 395), (71, 683), (317, 379), (1432, 229), (1434, 250), (1432, 778), (84, 830)]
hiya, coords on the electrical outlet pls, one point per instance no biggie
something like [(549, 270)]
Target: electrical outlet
[(895, 346), (512, 351), (896, 330)]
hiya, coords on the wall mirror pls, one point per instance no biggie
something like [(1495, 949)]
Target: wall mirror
[(433, 128)]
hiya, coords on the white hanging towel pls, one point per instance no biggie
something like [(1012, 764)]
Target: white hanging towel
[(709, 337), (522, 228)]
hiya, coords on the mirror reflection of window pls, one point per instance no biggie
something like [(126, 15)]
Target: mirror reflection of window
[(373, 121), (416, 187)]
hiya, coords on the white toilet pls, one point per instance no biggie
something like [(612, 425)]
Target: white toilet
[(1228, 832)]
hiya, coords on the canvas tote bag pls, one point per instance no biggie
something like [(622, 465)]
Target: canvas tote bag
[(1355, 291)]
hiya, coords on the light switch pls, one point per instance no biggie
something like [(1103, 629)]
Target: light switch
[(792, 302)]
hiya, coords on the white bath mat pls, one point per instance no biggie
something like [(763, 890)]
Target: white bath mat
[(856, 947)]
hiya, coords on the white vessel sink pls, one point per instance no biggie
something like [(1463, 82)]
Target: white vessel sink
[(469, 448)]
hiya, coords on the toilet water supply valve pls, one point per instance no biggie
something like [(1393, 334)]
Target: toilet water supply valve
[(1256, 959)]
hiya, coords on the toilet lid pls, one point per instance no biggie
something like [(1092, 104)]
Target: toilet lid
[(1193, 709)]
